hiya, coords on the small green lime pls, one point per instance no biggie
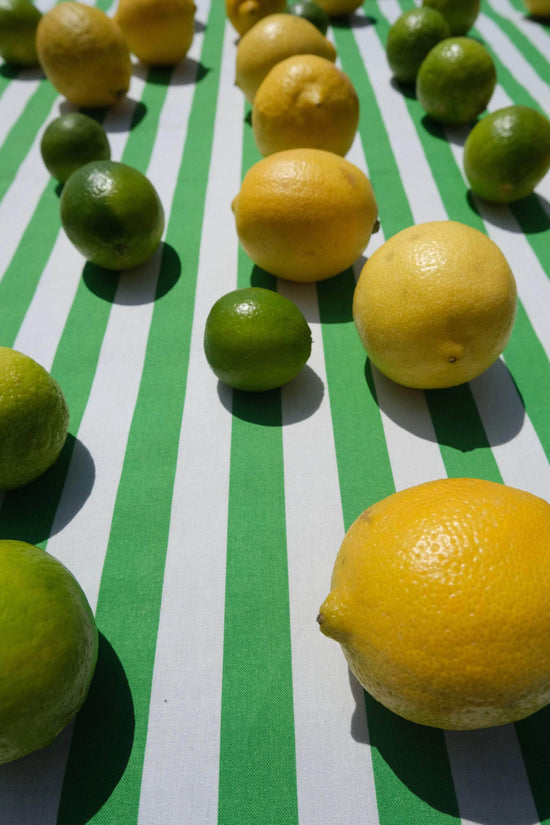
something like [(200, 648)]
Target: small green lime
[(456, 81), (310, 11), (256, 339), (507, 153), (18, 22), (48, 652), (34, 419), (459, 14), (112, 213), (410, 39), (70, 141)]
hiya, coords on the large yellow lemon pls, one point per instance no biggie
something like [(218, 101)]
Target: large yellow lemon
[(159, 32), (440, 599)]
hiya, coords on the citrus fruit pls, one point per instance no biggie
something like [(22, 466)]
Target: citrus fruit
[(310, 11), (305, 100), (338, 8), (70, 141), (507, 153), (256, 339), (83, 54), (305, 214), (434, 305), (18, 22), (243, 14), (112, 213), (34, 419), (410, 39), (456, 80), (49, 648), (440, 599), (271, 40), (159, 32), (538, 8), (459, 14)]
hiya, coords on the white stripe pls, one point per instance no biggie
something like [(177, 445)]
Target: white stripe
[(532, 29)]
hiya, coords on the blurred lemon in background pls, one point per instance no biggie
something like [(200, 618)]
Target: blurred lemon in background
[(538, 8), (338, 8), (18, 23), (243, 14), (159, 32), (311, 11)]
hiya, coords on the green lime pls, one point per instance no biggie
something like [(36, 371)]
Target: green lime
[(456, 80), (70, 141), (459, 14), (48, 652), (112, 213), (18, 22), (507, 153), (34, 419), (256, 339), (410, 39), (310, 11)]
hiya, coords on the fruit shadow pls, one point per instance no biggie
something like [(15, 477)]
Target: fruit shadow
[(454, 418), (12, 72), (353, 21), (44, 507), (184, 73), (530, 215)]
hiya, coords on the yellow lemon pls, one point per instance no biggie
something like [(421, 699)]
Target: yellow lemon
[(48, 652), (84, 54), (243, 14), (538, 8), (434, 306), (305, 100), (159, 32), (271, 40), (440, 599), (305, 214), (34, 419), (338, 8)]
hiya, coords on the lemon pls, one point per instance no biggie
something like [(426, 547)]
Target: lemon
[(456, 80), (459, 14), (310, 11), (159, 32), (305, 100), (69, 141), (49, 648), (84, 54), (18, 22), (507, 153), (538, 8), (338, 8), (112, 213), (440, 599), (243, 14), (34, 419), (305, 214), (434, 306), (271, 40), (256, 339), (410, 39)]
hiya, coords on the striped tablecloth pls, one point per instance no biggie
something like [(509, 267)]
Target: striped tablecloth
[(203, 524)]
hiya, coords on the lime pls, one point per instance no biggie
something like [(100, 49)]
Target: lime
[(48, 652), (507, 153), (34, 419), (312, 12), (456, 80), (459, 14), (18, 22), (112, 213), (410, 39), (70, 141), (256, 339)]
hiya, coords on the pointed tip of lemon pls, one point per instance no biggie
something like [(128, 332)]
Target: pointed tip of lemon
[(331, 618)]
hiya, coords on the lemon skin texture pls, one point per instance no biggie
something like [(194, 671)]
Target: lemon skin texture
[(18, 23), (34, 419), (271, 40), (456, 80), (440, 600), (49, 648), (159, 32), (243, 14), (410, 39), (538, 8), (84, 54), (256, 339), (112, 213), (305, 214), (305, 100), (70, 141), (507, 154), (434, 306), (460, 14)]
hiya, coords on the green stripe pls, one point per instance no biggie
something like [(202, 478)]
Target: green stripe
[(531, 54)]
